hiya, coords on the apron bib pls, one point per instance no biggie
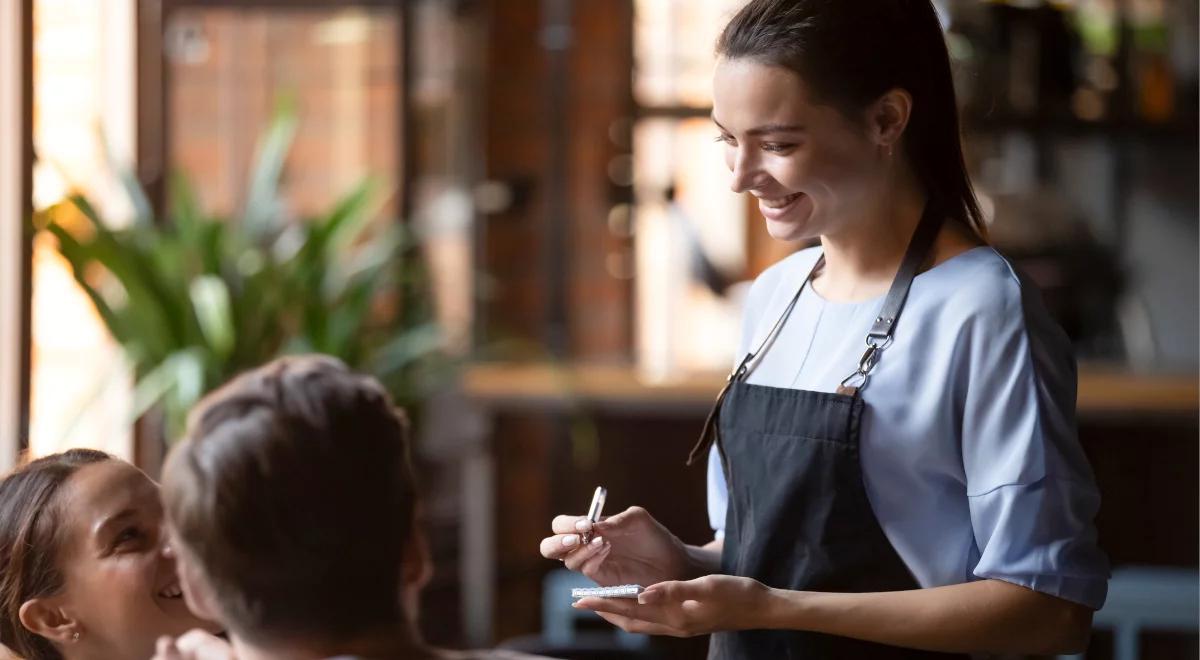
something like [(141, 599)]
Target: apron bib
[(798, 516)]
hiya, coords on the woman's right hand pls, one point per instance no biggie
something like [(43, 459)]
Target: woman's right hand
[(628, 548)]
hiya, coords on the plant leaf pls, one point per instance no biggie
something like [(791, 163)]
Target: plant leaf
[(210, 301), (261, 216), (142, 211)]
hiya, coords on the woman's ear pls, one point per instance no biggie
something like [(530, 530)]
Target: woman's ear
[(888, 117), (45, 617)]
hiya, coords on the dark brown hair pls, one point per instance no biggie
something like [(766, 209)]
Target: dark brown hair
[(850, 54), (293, 491), (31, 537)]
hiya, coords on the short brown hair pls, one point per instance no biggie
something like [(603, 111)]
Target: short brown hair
[(31, 539), (294, 491)]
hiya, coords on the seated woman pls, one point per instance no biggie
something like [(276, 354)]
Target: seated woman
[(293, 506), (85, 571)]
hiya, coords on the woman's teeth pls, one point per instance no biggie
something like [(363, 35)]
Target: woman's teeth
[(779, 203)]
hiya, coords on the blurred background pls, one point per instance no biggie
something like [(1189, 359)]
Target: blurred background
[(514, 213)]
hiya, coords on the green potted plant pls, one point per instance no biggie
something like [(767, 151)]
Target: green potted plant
[(194, 299)]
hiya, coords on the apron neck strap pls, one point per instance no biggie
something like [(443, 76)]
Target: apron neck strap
[(880, 334), (917, 253), (878, 337), (747, 362)]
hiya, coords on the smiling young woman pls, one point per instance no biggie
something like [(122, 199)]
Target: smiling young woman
[(880, 485), (84, 568)]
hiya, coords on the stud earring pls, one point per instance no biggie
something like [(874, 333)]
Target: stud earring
[(75, 636)]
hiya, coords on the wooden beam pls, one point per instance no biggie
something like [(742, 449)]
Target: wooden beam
[(16, 156)]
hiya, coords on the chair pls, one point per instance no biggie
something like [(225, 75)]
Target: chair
[(1147, 598), (560, 637)]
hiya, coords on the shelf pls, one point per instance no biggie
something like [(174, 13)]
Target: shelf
[(1103, 390), (1177, 129)]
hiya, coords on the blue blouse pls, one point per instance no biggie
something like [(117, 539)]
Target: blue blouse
[(969, 449)]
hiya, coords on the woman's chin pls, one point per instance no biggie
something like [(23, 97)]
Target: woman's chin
[(794, 223), (789, 230)]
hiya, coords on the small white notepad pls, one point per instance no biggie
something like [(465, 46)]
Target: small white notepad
[(622, 591)]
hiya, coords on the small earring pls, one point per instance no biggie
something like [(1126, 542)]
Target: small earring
[(75, 636)]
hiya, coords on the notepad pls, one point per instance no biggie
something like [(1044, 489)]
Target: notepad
[(622, 591)]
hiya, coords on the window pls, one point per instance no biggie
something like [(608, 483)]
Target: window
[(83, 97), (692, 232), (226, 68)]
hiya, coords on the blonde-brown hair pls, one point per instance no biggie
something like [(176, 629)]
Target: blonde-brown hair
[(31, 537)]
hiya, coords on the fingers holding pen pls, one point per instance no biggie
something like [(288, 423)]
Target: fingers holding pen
[(566, 524), (574, 541), (595, 549), (561, 546), (590, 566)]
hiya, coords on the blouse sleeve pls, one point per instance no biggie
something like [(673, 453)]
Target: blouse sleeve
[(718, 495), (1031, 492)]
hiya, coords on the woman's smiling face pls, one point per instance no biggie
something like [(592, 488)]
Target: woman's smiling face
[(119, 578), (809, 166)]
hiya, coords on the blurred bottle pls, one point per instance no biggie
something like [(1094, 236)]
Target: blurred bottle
[(1098, 25), (1028, 51), (1151, 77)]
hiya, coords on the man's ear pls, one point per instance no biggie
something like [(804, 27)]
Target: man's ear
[(46, 618), (888, 117), (416, 564)]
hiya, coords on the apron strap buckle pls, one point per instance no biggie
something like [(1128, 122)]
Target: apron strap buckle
[(867, 362)]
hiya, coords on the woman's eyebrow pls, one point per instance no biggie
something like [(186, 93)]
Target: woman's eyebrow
[(111, 521), (766, 129), (775, 128)]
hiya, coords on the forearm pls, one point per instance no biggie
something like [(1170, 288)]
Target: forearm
[(703, 559), (988, 615)]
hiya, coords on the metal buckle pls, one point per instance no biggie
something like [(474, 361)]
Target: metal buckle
[(868, 360), (741, 369), (887, 341)]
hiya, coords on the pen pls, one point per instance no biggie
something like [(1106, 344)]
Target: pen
[(594, 512)]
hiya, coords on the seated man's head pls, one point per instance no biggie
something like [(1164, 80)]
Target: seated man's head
[(291, 502), (85, 571)]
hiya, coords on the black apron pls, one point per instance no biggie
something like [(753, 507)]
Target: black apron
[(798, 516)]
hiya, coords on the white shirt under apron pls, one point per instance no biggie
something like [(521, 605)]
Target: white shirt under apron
[(969, 448)]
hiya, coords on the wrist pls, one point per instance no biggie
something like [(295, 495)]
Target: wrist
[(783, 609)]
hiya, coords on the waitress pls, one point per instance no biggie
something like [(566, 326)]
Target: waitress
[(893, 466)]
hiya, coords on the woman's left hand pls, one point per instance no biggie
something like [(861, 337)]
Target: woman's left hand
[(686, 609)]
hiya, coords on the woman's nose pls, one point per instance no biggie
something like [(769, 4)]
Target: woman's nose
[(743, 169)]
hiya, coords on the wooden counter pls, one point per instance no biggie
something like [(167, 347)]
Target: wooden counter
[(1103, 390)]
